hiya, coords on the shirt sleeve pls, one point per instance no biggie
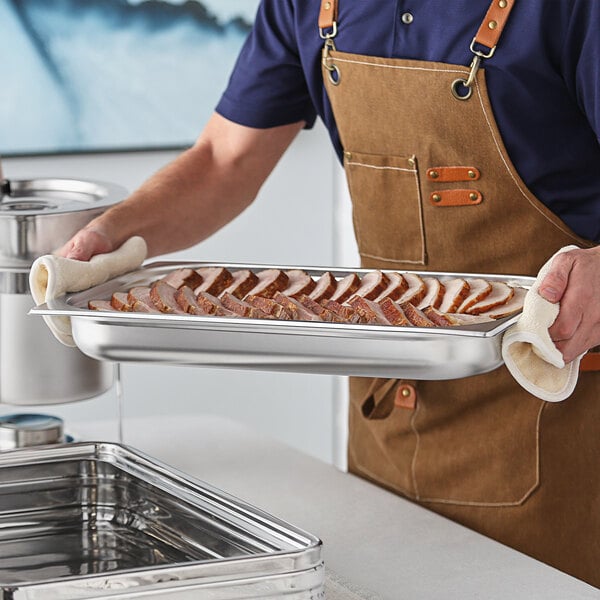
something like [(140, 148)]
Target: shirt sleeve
[(267, 87), (581, 58)]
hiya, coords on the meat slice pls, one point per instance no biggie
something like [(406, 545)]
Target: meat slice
[(345, 288), (393, 313), (416, 316), (369, 310), (140, 301), (511, 307), (269, 282), (434, 294), (211, 305), (478, 290), (324, 288), (371, 285), (396, 287), (324, 313), (439, 318), (242, 308), (119, 301), (214, 280), (416, 289), (295, 309), (180, 277), (346, 313), (163, 297), (501, 293), (186, 299), (104, 305), (243, 281), (299, 282), (269, 306), (456, 292)]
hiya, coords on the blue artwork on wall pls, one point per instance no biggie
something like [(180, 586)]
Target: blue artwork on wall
[(106, 75)]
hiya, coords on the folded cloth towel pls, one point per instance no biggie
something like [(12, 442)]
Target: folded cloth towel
[(52, 276), (530, 354)]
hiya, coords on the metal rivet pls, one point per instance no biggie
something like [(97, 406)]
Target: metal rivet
[(473, 196), (412, 162), (471, 174), (407, 18), (434, 174), (493, 24), (436, 197), (502, 3), (327, 5), (348, 155), (405, 392)]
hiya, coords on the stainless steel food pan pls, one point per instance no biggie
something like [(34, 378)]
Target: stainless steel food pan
[(294, 346), (98, 520)]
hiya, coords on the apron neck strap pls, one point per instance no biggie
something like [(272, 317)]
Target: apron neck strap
[(487, 36)]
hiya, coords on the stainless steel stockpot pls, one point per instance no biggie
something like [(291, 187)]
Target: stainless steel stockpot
[(37, 216)]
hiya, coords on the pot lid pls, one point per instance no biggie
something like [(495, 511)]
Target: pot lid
[(45, 196)]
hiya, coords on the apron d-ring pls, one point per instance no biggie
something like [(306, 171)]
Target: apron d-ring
[(332, 70)]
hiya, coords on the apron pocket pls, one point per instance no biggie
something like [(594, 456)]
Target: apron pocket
[(387, 207)]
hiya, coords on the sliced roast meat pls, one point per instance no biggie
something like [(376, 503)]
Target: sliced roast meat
[(372, 284), (345, 312), (393, 313), (416, 316), (396, 287), (434, 294), (212, 305), (295, 309), (119, 301), (140, 301), (456, 292), (104, 305), (324, 288), (369, 310), (478, 290), (269, 306), (324, 313), (269, 282), (163, 297), (242, 308), (416, 289), (345, 288), (214, 280), (439, 318), (186, 299), (243, 281), (511, 307), (299, 282), (501, 293), (181, 277)]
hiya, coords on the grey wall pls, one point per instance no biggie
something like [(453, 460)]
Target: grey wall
[(291, 223)]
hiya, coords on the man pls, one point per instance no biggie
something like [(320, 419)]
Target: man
[(469, 134)]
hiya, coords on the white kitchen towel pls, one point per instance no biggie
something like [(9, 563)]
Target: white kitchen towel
[(52, 276), (530, 354)]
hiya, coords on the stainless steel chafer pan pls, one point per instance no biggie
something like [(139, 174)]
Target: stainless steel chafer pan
[(293, 346), (99, 520)]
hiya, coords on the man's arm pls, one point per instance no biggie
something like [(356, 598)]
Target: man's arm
[(192, 197)]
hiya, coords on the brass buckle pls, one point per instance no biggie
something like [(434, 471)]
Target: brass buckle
[(333, 71), (467, 83)]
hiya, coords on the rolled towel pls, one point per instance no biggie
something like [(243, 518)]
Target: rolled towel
[(530, 354), (53, 276)]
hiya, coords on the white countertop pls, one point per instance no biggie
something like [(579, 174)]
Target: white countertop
[(383, 545)]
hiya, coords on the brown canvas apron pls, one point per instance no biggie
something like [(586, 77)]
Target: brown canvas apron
[(433, 188)]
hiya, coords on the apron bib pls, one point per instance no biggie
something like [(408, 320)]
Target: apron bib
[(433, 189)]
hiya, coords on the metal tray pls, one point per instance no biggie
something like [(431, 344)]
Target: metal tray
[(293, 346), (99, 520)]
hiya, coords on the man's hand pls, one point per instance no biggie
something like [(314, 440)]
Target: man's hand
[(86, 243), (574, 281)]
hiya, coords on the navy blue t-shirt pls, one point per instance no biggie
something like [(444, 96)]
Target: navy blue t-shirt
[(543, 80)]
